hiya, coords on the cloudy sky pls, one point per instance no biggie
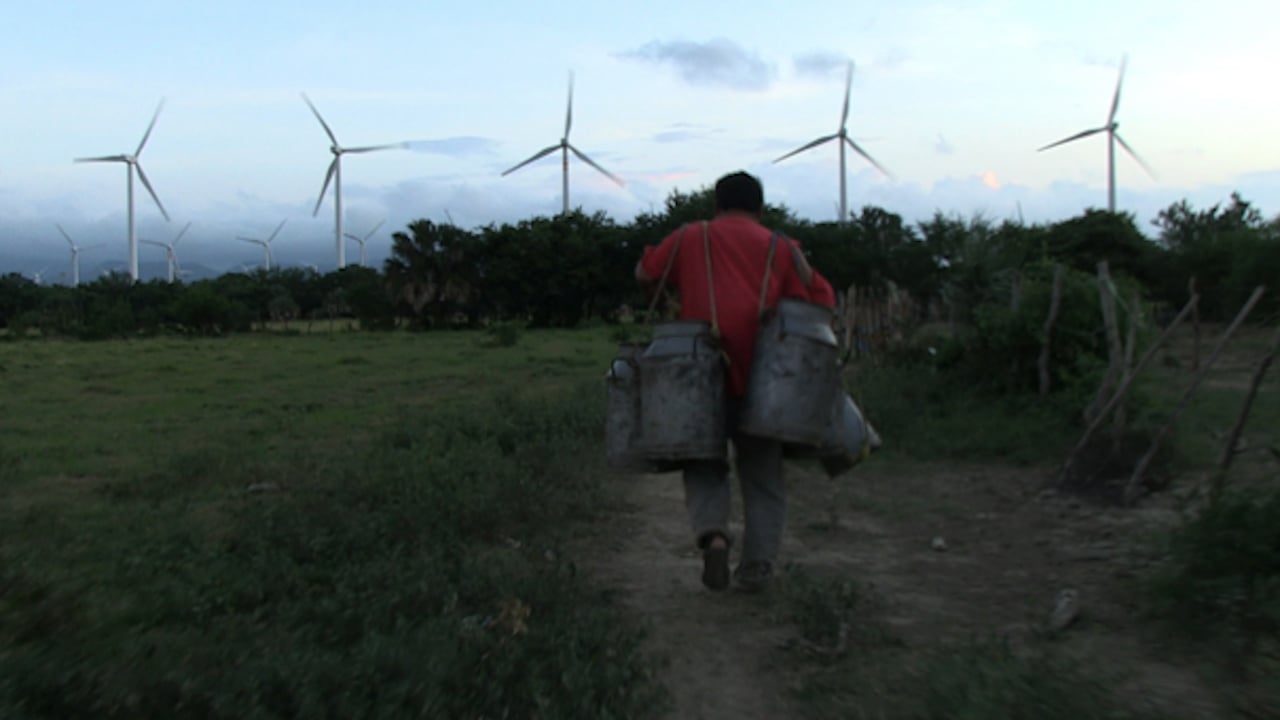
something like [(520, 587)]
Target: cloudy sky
[(953, 98)]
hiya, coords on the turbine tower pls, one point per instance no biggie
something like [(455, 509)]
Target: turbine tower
[(365, 239), (565, 148), (131, 163), (170, 255), (1113, 137), (75, 255), (335, 174), (266, 244), (842, 138)]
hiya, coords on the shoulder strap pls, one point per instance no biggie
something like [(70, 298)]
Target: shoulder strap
[(711, 287), (662, 282), (768, 265)]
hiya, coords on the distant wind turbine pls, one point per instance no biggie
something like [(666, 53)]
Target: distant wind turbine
[(565, 148), (38, 276), (75, 255), (174, 271), (335, 174), (131, 162), (1113, 137), (266, 244), (842, 138), (365, 239)]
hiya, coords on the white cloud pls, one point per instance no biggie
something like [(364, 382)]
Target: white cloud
[(719, 62)]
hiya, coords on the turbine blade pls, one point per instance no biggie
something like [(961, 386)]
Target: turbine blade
[(374, 230), (592, 163), (1077, 136), (371, 148), (1115, 99), (538, 156), (182, 232), (1134, 155), (147, 184), (151, 242), (323, 124), (65, 235), (277, 231), (147, 134), (353, 237), (814, 144), (848, 86), (868, 158), (249, 239), (333, 168), (104, 158), (568, 113)]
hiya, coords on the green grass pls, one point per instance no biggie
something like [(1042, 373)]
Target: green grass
[(342, 525), (114, 410), (923, 414)]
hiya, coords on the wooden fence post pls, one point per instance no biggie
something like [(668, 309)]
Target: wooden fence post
[(1135, 482), (1065, 471), (1115, 358), (1054, 301), (1131, 340), (1195, 328)]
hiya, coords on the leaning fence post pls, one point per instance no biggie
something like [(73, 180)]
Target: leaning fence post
[(1135, 482), (1233, 437), (1065, 471)]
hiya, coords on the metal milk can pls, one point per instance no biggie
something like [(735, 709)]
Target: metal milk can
[(795, 375), (622, 413), (682, 403), (850, 439)]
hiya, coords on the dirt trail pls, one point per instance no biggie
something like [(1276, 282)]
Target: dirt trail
[(717, 648), (1009, 549)]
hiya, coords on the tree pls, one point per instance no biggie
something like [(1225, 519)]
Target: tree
[(433, 271)]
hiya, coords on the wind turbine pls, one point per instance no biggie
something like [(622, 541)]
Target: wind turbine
[(38, 276), (365, 239), (335, 174), (75, 255), (565, 148), (131, 162), (842, 138), (266, 244), (170, 255), (1113, 137)]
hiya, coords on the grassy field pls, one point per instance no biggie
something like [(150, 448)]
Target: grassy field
[(347, 524), (324, 525)]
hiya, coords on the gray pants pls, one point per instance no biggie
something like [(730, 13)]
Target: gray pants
[(764, 504)]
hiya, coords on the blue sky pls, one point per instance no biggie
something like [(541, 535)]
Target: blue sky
[(952, 97)]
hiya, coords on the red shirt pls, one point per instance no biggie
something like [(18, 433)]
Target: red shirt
[(739, 248)]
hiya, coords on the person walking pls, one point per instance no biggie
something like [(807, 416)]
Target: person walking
[(738, 248)]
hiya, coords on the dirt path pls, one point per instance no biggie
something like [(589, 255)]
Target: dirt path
[(1009, 549), (716, 648)]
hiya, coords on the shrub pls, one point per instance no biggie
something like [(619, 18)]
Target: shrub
[(505, 333), (1223, 568)]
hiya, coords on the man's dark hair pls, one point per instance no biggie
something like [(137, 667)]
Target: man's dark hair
[(739, 191)]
